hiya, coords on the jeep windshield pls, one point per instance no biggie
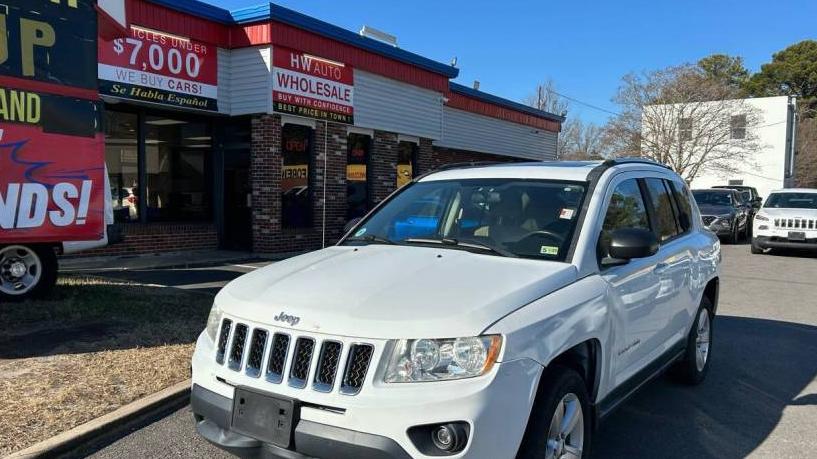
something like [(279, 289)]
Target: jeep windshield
[(504, 217), (792, 201)]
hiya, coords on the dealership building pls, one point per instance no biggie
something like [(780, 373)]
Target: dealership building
[(266, 130)]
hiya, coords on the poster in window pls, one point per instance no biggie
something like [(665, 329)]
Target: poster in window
[(296, 150)]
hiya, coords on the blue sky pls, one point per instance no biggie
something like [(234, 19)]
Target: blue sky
[(585, 47)]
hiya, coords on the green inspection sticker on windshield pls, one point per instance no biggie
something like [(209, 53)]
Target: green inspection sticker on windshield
[(549, 250)]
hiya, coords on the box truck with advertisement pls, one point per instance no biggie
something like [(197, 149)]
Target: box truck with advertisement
[(53, 193)]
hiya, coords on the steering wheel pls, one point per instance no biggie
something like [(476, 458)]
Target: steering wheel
[(558, 238)]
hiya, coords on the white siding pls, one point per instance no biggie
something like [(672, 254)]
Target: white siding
[(250, 89), (224, 80), (389, 105), (469, 131)]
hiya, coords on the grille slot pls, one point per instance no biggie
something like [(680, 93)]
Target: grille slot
[(796, 223), (301, 360), (237, 350), (708, 220), (328, 361), (223, 336), (360, 355), (257, 345), (277, 358)]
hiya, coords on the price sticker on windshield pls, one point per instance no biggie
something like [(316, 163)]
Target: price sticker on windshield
[(549, 250), (567, 214)]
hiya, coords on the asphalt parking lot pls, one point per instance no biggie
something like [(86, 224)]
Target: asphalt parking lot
[(760, 399)]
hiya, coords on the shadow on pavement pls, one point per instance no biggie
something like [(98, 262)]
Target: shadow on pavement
[(759, 368)]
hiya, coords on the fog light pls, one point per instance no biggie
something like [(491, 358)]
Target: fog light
[(449, 437), (443, 438)]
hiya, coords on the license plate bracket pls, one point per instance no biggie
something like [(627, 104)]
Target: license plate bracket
[(797, 236), (265, 417)]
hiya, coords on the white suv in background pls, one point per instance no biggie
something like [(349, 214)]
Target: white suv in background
[(788, 220), (482, 312)]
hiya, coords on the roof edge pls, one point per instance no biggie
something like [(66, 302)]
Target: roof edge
[(496, 100)]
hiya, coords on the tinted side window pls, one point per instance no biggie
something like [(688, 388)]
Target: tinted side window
[(662, 205), (681, 193), (626, 210)]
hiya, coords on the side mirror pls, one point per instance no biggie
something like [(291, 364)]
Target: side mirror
[(630, 243), (350, 224)]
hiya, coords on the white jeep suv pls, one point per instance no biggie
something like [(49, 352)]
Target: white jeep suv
[(483, 312), (788, 220)]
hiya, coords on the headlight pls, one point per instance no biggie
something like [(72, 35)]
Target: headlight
[(416, 360), (762, 218), (213, 321)]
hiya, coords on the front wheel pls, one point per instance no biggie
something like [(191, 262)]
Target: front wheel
[(26, 271), (694, 366), (560, 422), (756, 249)]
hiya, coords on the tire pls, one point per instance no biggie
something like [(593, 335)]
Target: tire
[(40, 265), (563, 389), (756, 249), (734, 238), (689, 369)]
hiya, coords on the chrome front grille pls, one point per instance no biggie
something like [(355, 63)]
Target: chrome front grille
[(356, 368), (795, 223), (708, 219), (237, 349), (279, 356), (301, 359)]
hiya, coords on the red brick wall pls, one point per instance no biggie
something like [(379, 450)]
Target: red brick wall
[(138, 238), (268, 234), (383, 162)]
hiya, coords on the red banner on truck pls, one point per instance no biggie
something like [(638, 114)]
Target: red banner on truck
[(52, 160)]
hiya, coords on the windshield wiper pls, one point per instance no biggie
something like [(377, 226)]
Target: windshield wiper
[(463, 244), (371, 238)]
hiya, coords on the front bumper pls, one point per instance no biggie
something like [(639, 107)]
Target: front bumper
[(374, 423), (783, 242), (213, 413)]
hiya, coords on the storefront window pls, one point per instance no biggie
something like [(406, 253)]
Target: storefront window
[(121, 157), (177, 161), (357, 186), (296, 202), (406, 162)]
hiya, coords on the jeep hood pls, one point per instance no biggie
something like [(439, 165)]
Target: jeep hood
[(381, 291), (776, 212)]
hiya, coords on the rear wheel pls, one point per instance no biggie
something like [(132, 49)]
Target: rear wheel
[(26, 271), (694, 366), (560, 422)]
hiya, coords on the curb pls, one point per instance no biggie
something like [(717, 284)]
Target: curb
[(110, 426)]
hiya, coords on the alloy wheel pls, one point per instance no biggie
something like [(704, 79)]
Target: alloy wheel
[(702, 339), (565, 438)]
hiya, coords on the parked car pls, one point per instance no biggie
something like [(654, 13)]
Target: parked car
[(725, 213), (542, 296), (754, 196), (788, 219)]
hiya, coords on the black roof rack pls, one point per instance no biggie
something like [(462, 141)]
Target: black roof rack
[(620, 161), (466, 164)]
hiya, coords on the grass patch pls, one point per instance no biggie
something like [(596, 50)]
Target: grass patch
[(95, 345)]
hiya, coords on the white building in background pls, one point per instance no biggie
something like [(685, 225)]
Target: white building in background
[(771, 167)]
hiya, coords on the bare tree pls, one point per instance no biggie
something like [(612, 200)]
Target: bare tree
[(545, 98), (583, 141), (677, 116)]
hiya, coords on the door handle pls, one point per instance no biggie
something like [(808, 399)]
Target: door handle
[(660, 268)]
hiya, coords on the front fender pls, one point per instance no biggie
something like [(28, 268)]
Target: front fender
[(547, 327)]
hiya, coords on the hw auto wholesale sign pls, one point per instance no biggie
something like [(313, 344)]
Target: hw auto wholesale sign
[(152, 66), (313, 87), (52, 177)]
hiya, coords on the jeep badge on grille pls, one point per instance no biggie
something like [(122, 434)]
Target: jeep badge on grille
[(284, 317)]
